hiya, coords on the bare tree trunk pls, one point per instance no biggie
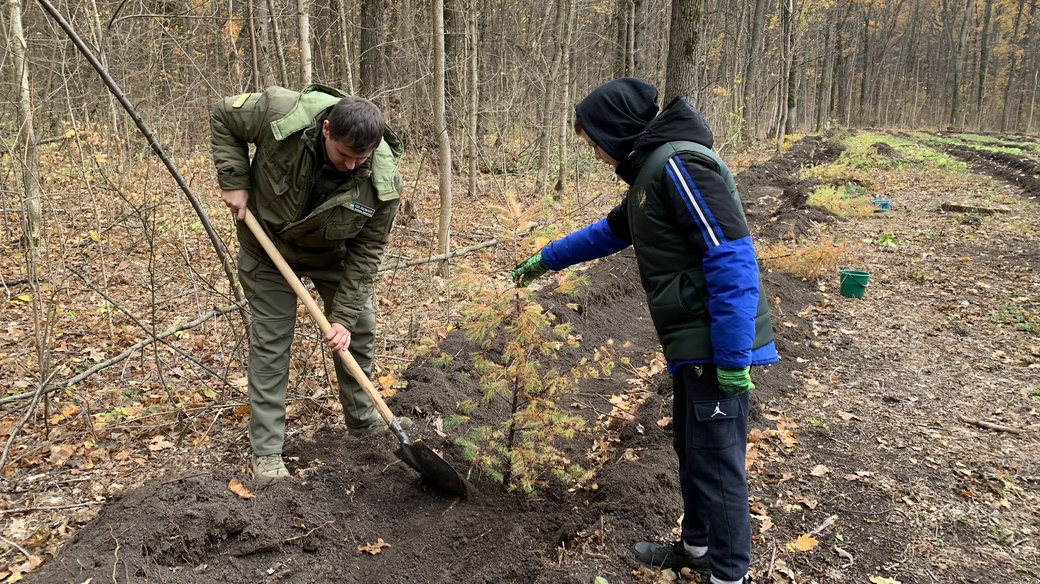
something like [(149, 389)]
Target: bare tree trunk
[(548, 110), (113, 105), (348, 53), (253, 46), (443, 139), (682, 49), (283, 69), (405, 27), (630, 39), (1032, 103), (638, 50), (823, 105), (32, 216), (958, 67), (787, 59), (455, 30), (234, 60), (561, 174), (303, 16), (621, 32), (794, 86), (263, 39), (25, 141), (473, 94), (750, 79), (983, 63), (371, 48)]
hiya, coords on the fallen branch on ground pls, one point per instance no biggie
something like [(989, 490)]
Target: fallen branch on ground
[(49, 508), (965, 208), (988, 425)]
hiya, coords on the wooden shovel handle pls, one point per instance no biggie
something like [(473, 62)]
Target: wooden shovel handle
[(312, 307)]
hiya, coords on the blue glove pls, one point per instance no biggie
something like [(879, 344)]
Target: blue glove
[(529, 270), (735, 381)]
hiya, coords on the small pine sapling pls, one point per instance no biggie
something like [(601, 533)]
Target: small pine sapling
[(518, 340)]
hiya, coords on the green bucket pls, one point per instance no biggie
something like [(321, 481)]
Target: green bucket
[(853, 283)]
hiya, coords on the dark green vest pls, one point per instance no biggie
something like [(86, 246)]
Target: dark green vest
[(672, 276)]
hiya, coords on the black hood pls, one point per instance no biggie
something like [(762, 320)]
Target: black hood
[(679, 121), (615, 113)]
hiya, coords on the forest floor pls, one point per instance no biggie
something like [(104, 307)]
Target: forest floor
[(897, 441)]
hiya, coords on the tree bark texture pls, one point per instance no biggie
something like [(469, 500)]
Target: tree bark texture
[(303, 16), (959, 56), (750, 78), (274, 10), (25, 138), (552, 87), (683, 31), (472, 97), (372, 48), (348, 51), (443, 139)]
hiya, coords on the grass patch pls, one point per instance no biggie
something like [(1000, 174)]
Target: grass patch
[(845, 201), (1032, 394), (1000, 143), (970, 218), (1020, 317), (866, 151), (812, 261), (982, 144)]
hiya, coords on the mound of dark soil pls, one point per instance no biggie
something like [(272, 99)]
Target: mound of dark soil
[(774, 196), (1018, 170), (886, 150)]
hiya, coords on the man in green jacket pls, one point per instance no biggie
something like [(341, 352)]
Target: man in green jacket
[(323, 183)]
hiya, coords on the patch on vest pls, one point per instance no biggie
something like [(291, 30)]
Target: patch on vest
[(359, 208), (640, 197)]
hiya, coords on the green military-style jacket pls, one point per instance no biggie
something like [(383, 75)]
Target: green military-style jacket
[(351, 226)]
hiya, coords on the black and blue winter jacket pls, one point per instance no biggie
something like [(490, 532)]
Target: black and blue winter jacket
[(684, 217)]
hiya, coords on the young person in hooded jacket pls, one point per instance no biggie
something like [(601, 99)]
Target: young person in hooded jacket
[(324, 186), (683, 216)]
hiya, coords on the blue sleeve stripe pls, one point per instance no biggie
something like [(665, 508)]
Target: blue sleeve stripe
[(686, 201), (689, 190)]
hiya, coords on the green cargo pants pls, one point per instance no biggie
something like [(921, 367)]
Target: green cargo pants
[(273, 304)]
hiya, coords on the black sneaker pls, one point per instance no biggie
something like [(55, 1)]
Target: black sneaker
[(674, 557)]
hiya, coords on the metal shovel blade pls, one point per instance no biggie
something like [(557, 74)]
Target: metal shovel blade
[(433, 468), (427, 463)]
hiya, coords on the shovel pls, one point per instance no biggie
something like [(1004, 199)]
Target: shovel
[(415, 454)]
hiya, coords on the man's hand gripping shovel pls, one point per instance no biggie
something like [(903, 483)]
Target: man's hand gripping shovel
[(426, 462)]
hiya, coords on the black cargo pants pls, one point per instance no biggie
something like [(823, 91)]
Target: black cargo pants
[(710, 436)]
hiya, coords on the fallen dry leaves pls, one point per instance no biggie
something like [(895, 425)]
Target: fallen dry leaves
[(804, 543), (236, 487), (374, 549)]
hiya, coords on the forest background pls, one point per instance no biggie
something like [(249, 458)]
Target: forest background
[(502, 76), (115, 303)]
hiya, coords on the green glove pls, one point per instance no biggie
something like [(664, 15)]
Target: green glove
[(735, 381), (528, 270)]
